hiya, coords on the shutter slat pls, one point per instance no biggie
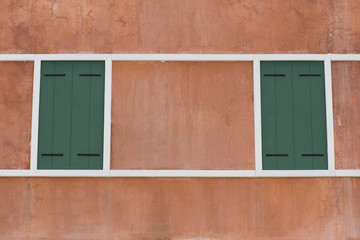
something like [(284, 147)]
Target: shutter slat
[(62, 115), (284, 116), (96, 114), (268, 115), (318, 116), (45, 142)]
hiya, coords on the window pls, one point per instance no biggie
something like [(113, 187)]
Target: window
[(71, 115), (293, 115)]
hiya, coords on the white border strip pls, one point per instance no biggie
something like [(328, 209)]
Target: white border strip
[(179, 173), (291, 57), (35, 115), (329, 115), (179, 57), (17, 57), (347, 173), (182, 57), (257, 115), (107, 117), (295, 173), (182, 173), (345, 57), (108, 58)]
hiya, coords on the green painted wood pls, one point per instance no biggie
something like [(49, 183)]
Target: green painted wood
[(319, 139), (55, 116), (268, 115), (71, 115), (277, 115), (302, 115), (87, 116), (284, 116), (62, 115), (46, 116), (293, 115), (96, 133), (80, 116)]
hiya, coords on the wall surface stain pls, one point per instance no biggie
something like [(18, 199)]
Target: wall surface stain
[(16, 81), (182, 115), (346, 105), (187, 26), (180, 208)]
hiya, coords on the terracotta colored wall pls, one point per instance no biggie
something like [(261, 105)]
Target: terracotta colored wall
[(190, 208), (16, 81), (182, 115), (209, 26), (346, 102)]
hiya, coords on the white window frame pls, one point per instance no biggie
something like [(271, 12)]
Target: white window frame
[(109, 58)]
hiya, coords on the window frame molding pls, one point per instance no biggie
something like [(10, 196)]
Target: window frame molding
[(329, 118), (109, 58)]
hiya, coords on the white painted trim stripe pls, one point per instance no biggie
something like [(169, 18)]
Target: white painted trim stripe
[(107, 116), (109, 58), (35, 115), (329, 115), (257, 115), (17, 57), (347, 173), (345, 57), (179, 57), (180, 173), (182, 57)]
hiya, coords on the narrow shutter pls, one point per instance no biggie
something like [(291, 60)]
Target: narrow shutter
[(87, 115), (71, 115), (309, 116), (293, 115), (277, 115), (55, 115)]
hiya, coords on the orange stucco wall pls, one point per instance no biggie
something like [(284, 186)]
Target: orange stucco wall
[(182, 115), (178, 116), (173, 26), (188, 208), (16, 81), (346, 102)]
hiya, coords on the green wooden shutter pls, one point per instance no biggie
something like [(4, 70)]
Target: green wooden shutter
[(293, 115), (71, 115)]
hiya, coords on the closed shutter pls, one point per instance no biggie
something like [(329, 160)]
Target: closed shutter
[(71, 115), (293, 115)]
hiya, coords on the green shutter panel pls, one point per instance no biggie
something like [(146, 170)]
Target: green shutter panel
[(293, 115), (310, 116), (71, 115), (277, 115), (87, 115), (55, 115)]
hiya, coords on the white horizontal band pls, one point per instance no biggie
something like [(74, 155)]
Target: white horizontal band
[(179, 173), (179, 57)]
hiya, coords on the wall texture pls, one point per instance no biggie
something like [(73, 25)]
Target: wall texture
[(16, 81), (346, 102), (172, 26), (189, 115), (189, 208), (179, 116)]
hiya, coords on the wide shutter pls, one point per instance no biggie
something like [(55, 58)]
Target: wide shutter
[(293, 115), (71, 115)]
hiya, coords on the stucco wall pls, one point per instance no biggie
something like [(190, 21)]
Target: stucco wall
[(190, 208), (16, 81), (178, 116), (346, 99), (172, 26), (189, 115)]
